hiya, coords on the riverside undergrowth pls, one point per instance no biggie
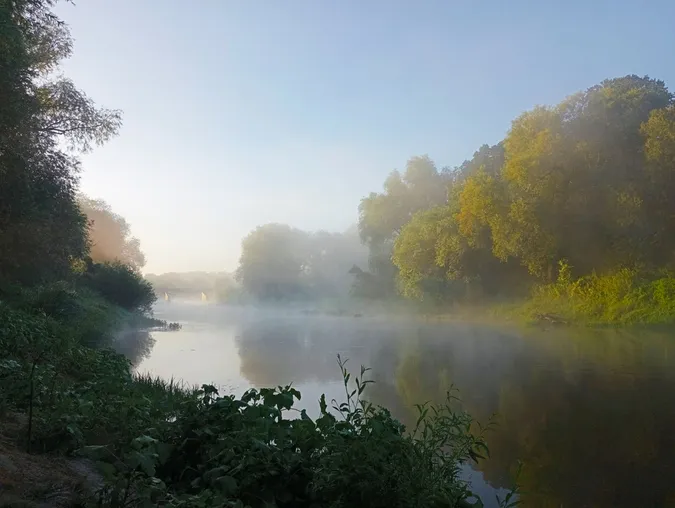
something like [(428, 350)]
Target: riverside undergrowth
[(624, 297), (158, 443)]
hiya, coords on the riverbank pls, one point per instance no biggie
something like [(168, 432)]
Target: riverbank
[(625, 298), (67, 397)]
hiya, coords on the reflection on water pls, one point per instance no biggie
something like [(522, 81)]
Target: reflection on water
[(136, 345), (590, 415)]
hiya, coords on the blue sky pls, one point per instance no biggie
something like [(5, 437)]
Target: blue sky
[(238, 113)]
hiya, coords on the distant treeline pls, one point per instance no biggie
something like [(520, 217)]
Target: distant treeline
[(588, 184), (215, 285), (279, 262)]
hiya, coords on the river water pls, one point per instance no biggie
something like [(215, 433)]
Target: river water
[(589, 415)]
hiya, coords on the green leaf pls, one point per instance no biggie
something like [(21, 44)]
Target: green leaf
[(107, 470), (143, 461), (304, 416), (143, 441), (94, 452), (226, 484)]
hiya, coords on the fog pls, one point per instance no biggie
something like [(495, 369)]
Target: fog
[(558, 398)]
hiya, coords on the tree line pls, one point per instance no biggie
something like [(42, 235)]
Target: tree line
[(50, 235), (42, 229), (587, 184), (279, 262)]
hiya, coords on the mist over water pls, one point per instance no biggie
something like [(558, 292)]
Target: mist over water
[(588, 413)]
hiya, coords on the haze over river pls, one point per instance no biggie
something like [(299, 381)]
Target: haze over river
[(590, 414)]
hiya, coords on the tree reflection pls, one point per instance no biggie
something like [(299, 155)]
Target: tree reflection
[(588, 414), (590, 417), (136, 345), (280, 351)]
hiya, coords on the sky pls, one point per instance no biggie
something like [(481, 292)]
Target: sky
[(240, 113)]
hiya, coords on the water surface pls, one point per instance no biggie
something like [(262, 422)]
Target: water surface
[(589, 414)]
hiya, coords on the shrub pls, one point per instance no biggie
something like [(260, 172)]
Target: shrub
[(161, 444), (122, 285), (625, 296)]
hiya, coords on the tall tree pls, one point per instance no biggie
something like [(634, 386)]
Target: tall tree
[(383, 215), (272, 262), (41, 227), (574, 177), (280, 262), (589, 181), (110, 235)]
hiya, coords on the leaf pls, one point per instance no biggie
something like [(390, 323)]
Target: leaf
[(164, 451), (143, 441), (143, 461), (94, 452), (304, 416), (226, 484), (107, 470)]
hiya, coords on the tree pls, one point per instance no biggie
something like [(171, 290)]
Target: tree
[(589, 181), (41, 227), (122, 285), (423, 270), (110, 235), (574, 184), (659, 135), (383, 215), (488, 159), (281, 262), (574, 179), (272, 262)]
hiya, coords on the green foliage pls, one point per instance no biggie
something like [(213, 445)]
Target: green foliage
[(122, 285), (625, 296), (422, 255), (382, 216), (589, 181), (158, 442), (282, 263), (110, 235), (41, 227)]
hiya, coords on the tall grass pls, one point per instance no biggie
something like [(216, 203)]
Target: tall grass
[(624, 297)]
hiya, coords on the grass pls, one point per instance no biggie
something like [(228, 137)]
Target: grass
[(622, 298)]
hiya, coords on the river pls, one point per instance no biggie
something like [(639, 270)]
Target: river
[(590, 415)]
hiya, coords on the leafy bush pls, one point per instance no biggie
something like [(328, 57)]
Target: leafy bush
[(245, 452), (159, 443), (121, 285), (625, 296)]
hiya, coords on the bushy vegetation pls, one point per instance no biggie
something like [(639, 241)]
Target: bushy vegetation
[(626, 296), (121, 285), (157, 443)]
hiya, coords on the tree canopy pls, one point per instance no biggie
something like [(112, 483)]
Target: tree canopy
[(42, 230), (279, 262), (110, 235), (589, 181)]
